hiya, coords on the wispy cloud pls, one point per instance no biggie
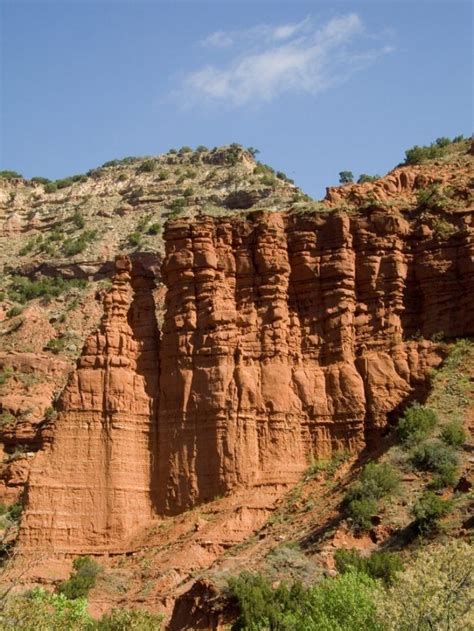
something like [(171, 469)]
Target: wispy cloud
[(267, 61)]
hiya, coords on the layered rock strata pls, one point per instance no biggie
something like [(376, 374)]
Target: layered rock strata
[(94, 484), (284, 338)]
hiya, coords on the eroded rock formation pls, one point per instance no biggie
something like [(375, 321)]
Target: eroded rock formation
[(285, 337), (93, 484)]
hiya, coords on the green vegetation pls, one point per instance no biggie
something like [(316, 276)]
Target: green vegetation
[(45, 611), (154, 228), (437, 149), (233, 154), (5, 374), (56, 345), (40, 180), (188, 192), (23, 289), (78, 219), (14, 311), (178, 203), (346, 177), (453, 434), (148, 166), (6, 418), (127, 620), (416, 424), (82, 579), (76, 245), (328, 467), (438, 458), (10, 175), (268, 180), (382, 565), (344, 603), (364, 177), (433, 594), (361, 500), (429, 509), (134, 238)]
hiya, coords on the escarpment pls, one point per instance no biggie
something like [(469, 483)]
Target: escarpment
[(285, 337)]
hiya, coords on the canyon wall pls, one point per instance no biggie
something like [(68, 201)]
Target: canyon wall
[(285, 337), (94, 482)]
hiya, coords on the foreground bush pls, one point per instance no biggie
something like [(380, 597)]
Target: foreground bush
[(416, 424), (434, 594), (382, 565), (344, 603), (128, 620), (40, 610)]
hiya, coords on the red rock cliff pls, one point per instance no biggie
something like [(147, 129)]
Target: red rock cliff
[(285, 337)]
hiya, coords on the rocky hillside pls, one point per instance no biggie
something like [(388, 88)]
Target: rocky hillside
[(197, 360)]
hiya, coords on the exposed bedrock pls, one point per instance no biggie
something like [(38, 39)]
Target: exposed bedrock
[(284, 338)]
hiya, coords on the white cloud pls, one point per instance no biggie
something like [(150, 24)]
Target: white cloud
[(269, 61), (218, 39)]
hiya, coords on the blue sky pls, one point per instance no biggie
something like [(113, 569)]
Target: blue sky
[(317, 87)]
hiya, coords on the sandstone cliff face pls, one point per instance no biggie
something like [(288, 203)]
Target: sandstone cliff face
[(284, 337), (87, 488)]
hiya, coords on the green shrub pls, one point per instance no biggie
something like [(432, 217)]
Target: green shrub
[(178, 203), (9, 175), (188, 192), (148, 166), (453, 434), (429, 509), (42, 610), (346, 177), (416, 424), (82, 579), (14, 311), (128, 620), (361, 500), (201, 148), (134, 238), (438, 458), (437, 149), (5, 374), (162, 175), (363, 177), (379, 565), (40, 180), (173, 151), (360, 512), (268, 180), (344, 603), (77, 245), (28, 247), (375, 482), (23, 289), (154, 228), (185, 149), (56, 345), (50, 187), (434, 593), (78, 219)]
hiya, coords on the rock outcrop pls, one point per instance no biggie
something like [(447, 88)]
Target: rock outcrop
[(94, 483), (285, 338)]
